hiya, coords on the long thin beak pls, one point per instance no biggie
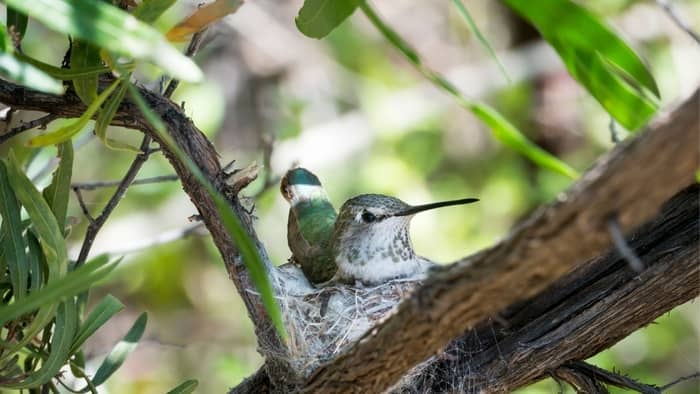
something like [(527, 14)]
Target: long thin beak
[(420, 208)]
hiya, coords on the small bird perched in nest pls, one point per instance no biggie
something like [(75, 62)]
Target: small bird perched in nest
[(367, 242), (310, 224)]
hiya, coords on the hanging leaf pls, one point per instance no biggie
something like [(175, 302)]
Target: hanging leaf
[(101, 313), (104, 119), (121, 351), (58, 192), (511, 137), (110, 28), (85, 55), (12, 242), (501, 129), (609, 69), (249, 254), (317, 18), (203, 17), (475, 30)]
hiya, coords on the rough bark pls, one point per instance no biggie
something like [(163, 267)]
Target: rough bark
[(197, 147), (585, 312), (630, 183)]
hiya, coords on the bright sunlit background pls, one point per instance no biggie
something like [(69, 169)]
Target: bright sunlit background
[(352, 110)]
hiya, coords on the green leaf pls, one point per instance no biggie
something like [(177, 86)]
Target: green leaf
[(624, 103), (58, 192), (107, 114), (16, 22), (501, 129), (511, 137), (43, 220), (36, 263), (251, 258), (84, 55), (66, 132), (110, 28), (581, 38), (12, 241), (28, 75), (317, 18), (150, 10), (121, 351), (70, 285), (108, 307), (66, 74), (475, 30), (186, 387), (66, 321)]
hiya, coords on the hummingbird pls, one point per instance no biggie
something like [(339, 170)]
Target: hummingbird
[(310, 224), (371, 242)]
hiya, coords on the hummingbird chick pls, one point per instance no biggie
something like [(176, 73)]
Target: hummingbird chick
[(371, 241), (310, 224)]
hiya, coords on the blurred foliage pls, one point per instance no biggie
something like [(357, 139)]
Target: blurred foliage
[(418, 149)]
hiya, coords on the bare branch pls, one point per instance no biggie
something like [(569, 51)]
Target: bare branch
[(39, 122), (96, 224), (143, 181), (677, 19)]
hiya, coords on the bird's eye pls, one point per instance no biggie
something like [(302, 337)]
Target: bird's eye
[(368, 217)]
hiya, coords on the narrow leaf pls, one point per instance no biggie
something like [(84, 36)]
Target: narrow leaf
[(511, 137), (43, 220), (186, 387), (66, 319), (501, 129), (12, 241), (66, 132), (27, 75), (84, 55), (110, 28), (121, 351), (150, 10), (203, 17), (16, 23), (70, 285), (58, 192), (251, 258), (475, 30), (104, 119), (36, 263), (66, 74), (632, 109), (576, 27), (108, 307), (317, 18)]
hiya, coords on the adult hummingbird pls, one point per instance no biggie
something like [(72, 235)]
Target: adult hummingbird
[(310, 224), (371, 241)]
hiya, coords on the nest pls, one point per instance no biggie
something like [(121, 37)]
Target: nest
[(322, 322)]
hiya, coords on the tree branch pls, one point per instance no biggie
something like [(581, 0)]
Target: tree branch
[(631, 182), (202, 153)]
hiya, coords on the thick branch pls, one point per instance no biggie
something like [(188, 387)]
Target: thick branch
[(195, 145), (587, 311), (631, 182)]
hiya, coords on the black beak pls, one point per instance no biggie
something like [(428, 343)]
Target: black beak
[(420, 208)]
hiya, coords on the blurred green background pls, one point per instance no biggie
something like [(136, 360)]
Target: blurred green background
[(350, 109)]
